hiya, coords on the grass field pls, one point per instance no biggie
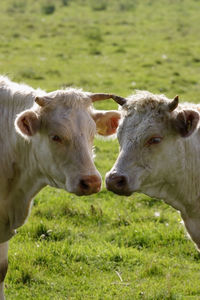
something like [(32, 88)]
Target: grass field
[(103, 246)]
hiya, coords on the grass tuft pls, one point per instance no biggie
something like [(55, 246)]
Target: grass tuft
[(48, 9), (100, 5)]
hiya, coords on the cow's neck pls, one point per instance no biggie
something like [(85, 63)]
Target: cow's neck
[(19, 187), (26, 181), (16, 197), (184, 193), (10, 106), (19, 174)]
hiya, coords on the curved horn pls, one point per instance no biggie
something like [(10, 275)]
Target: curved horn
[(98, 97), (121, 101), (173, 105)]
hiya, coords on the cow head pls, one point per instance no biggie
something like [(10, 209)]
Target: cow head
[(153, 137), (59, 130)]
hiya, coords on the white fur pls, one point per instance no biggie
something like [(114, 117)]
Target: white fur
[(28, 163), (169, 170)]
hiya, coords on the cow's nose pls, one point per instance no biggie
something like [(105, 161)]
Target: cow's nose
[(117, 183), (90, 184)]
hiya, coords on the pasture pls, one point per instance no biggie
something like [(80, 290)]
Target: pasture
[(103, 246)]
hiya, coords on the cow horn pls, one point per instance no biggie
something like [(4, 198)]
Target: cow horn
[(121, 101), (172, 105), (98, 97), (40, 101)]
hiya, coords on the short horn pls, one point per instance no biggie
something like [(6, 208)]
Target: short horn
[(98, 97), (173, 105), (40, 101)]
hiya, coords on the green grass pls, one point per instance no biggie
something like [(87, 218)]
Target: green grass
[(103, 246)]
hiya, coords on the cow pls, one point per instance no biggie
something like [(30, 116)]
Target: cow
[(160, 154), (45, 139)]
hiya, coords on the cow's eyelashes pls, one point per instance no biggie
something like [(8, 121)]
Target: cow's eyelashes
[(56, 139), (154, 140)]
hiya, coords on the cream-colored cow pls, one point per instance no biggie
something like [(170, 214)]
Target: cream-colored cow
[(160, 154), (45, 139)]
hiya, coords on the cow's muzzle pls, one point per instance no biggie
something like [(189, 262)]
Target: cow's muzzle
[(118, 184), (89, 184)]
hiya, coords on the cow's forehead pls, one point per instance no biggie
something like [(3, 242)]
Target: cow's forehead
[(66, 105), (143, 110), (64, 111), (145, 102), (69, 121), (140, 124), (136, 119), (70, 98)]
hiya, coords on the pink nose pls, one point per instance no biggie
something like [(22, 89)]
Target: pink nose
[(90, 184)]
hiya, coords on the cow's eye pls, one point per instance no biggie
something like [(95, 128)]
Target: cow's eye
[(56, 138), (154, 140)]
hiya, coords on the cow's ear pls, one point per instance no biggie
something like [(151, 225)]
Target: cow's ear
[(27, 123), (106, 121), (186, 122)]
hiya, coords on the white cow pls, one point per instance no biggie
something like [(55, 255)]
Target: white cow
[(160, 154), (45, 139)]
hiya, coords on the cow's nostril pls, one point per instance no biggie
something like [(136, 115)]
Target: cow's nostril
[(89, 184), (117, 183), (85, 186), (121, 182)]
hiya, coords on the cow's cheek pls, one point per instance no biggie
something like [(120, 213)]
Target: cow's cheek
[(53, 161)]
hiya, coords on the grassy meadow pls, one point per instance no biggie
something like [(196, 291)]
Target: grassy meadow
[(103, 246)]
